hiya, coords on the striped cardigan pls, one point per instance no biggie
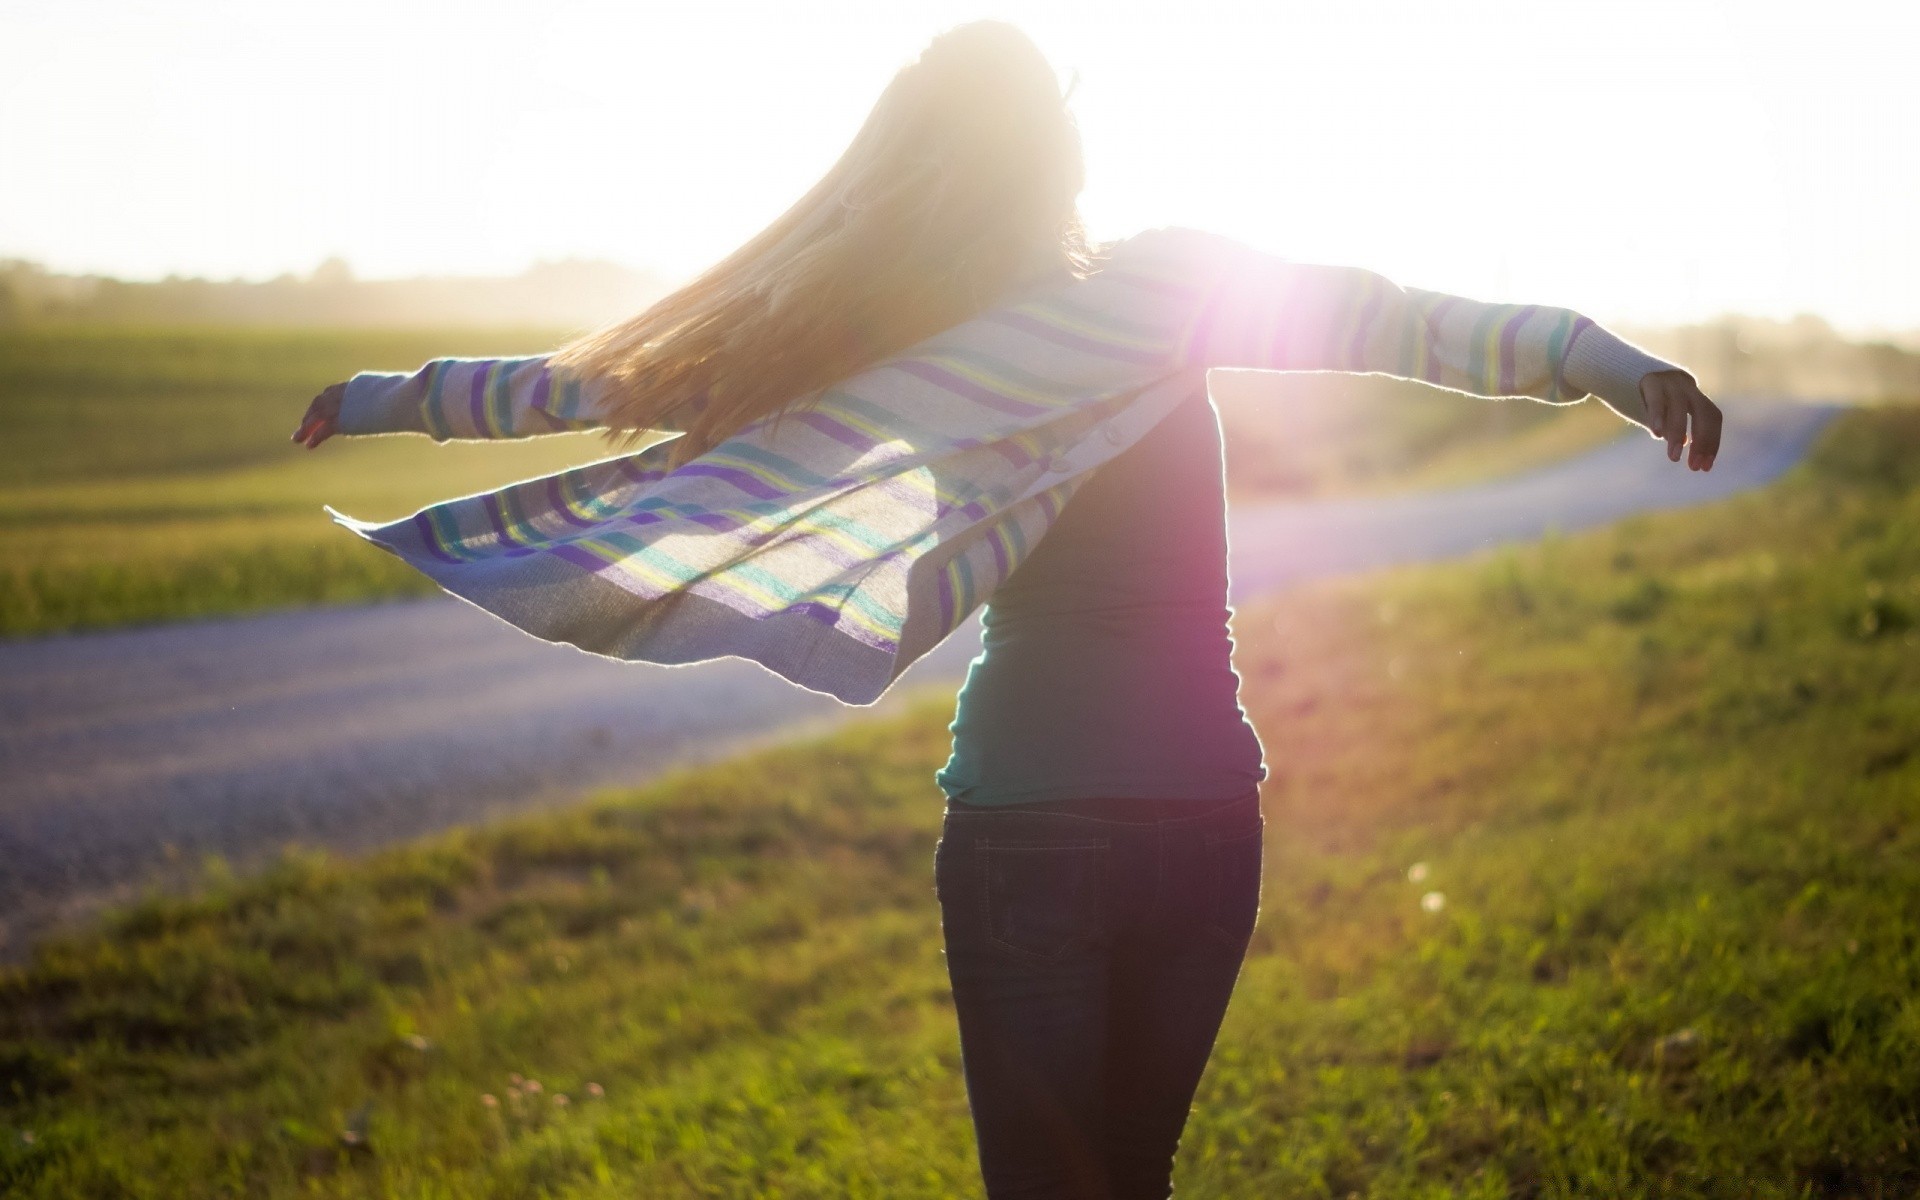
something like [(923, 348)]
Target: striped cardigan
[(842, 543)]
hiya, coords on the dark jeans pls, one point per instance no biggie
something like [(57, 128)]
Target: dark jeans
[(1092, 946)]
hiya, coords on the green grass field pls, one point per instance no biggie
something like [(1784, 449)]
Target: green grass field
[(146, 475), (1663, 781)]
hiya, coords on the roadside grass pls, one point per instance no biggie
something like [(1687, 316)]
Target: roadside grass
[(1591, 872), (147, 475)]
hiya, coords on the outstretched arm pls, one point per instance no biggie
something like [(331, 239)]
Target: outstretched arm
[(454, 399), (1264, 312)]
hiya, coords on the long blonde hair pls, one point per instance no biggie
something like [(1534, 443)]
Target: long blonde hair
[(960, 185)]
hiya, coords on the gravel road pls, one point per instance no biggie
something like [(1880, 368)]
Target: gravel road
[(126, 756)]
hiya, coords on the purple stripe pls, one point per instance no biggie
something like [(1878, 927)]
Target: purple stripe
[(948, 381), (490, 504), (999, 552), (816, 609), (429, 539), (724, 523), (1433, 321), (542, 389), (593, 564), (1201, 352), (830, 616), (477, 399), (839, 431), (1356, 350), (745, 481), (1507, 336), (1045, 332), (1280, 350), (655, 516), (823, 544), (631, 468), (1014, 450), (1580, 326), (557, 501)]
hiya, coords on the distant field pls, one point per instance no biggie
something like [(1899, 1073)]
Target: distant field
[(1661, 782), (1327, 434), (146, 475)]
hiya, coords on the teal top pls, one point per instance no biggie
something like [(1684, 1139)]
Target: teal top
[(1107, 667)]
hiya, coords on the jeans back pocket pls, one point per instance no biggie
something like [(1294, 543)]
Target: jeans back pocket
[(1042, 899), (1233, 867)]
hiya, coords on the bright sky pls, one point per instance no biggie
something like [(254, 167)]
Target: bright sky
[(1635, 159)]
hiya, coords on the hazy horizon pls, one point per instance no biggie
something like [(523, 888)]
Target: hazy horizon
[(1665, 163)]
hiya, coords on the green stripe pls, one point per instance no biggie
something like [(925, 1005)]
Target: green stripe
[(499, 399), (446, 531), (1017, 537), (782, 591), (1477, 362), (517, 518), (431, 416), (1413, 330), (1556, 386), (966, 581), (668, 564), (854, 529), (851, 595), (1350, 326)]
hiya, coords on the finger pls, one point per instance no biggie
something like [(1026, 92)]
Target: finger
[(1707, 424), (1673, 424), (1659, 416), (1650, 398)]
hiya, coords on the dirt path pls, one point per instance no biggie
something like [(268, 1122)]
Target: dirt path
[(126, 756)]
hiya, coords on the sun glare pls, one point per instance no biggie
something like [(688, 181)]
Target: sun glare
[(1658, 161)]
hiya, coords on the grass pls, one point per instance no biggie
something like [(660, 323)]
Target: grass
[(148, 475), (1660, 781)]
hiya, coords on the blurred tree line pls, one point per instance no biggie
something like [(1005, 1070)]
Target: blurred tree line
[(1731, 356), (575, 293), (1803, 358)]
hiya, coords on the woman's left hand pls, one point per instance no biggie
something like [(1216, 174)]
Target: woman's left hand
[(1674, 402), (323, 417)]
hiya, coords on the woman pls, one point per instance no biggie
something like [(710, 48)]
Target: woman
[(920, 388)]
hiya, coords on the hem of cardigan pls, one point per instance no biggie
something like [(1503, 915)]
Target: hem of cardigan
[(557, 602)]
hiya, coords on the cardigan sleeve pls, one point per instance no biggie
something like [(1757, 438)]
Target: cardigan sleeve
[(469, 398), (1263, 312)]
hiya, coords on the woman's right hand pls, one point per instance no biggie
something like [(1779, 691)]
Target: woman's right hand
[(1673, 400), (323, 417)]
